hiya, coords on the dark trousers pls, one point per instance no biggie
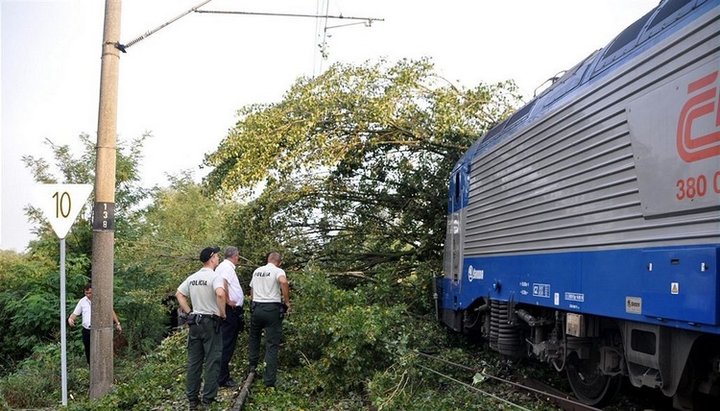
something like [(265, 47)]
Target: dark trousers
[(232, 325), (86, 343), (266, 316), (204, 348)]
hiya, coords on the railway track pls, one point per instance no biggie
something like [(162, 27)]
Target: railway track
[(562, 400), (544, 391)]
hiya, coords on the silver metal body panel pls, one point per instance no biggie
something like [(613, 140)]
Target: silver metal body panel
[(568, 180)]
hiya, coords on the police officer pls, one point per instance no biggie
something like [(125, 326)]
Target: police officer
[(270, 300), (233, 323), (206, 290)]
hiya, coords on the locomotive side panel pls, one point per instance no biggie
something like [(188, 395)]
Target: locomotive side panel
[(588, 231), (569, 182)]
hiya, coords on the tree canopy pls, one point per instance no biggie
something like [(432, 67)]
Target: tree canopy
[(353, 164)]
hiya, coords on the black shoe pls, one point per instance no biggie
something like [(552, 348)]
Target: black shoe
[(229, 384), (207, 403)]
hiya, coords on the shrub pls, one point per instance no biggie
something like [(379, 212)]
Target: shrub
[(29, 302), (145, 319), (36, 382)]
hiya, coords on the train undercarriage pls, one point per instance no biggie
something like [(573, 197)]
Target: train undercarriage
[(597, 353)]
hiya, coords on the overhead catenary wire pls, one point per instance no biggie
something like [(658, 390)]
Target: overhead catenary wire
[(367, 21), (314, 16), (124, 47)]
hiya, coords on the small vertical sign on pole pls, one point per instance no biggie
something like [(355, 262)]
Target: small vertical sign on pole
[(61, 204)]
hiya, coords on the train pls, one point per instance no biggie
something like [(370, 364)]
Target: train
[(584, 230)]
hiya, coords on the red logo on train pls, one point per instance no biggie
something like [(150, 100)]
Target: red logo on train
[(703, 102)]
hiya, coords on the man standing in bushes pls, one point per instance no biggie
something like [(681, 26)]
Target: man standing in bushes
[(233, 323), (270, 301), (83, 309), (206, 290)]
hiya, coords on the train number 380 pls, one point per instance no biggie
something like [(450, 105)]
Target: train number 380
[(696, 187)]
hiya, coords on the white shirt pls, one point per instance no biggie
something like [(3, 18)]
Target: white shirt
[(200, 287), (226, 270), (264, 284), (83, 308)]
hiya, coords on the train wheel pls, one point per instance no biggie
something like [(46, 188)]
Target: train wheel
[(589, 384)]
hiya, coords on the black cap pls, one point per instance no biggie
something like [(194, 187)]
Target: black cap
[(207, 253)]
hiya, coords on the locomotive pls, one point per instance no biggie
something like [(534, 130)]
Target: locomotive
[(584, 230)]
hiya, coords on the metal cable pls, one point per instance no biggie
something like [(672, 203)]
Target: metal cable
[(314, 16), (558, 397), (123, 47), (474, 388)]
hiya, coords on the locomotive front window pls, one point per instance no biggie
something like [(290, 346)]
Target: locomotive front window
[(670, 8), (628, 36)]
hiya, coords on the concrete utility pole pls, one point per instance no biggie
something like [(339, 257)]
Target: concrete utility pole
[(101, 334)]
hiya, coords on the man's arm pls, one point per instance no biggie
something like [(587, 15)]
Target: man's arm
[(117, 321), (75, 313), (220, 297), (285, 290), (182, 299), (227, 293)]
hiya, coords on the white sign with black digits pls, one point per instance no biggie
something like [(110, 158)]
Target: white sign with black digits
[(61, 204)]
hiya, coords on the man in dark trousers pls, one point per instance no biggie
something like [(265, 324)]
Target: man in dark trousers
[(270, 301), (206, 290), (83, 309), (233, 323)]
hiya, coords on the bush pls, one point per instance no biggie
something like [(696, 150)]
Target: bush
[(148, 382), (144, 317), (30, 300), (37, 381)]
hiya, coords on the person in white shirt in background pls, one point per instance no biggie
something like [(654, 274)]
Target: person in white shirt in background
[(83, 308), (234, 322)]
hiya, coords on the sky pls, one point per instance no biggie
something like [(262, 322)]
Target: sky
[(185, 83)]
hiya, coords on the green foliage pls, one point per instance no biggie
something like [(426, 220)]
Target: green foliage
[(29, 301), (261, 225), (355, 163), (145, 318), (36, 382), (343, 350), (179, 222), (157, 378), (412, 290)]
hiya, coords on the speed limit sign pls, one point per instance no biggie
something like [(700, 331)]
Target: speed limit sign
[(61, 204)]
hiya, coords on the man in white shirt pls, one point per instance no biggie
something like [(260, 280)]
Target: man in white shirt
[(83, 309), (270, 300), (233, 323)]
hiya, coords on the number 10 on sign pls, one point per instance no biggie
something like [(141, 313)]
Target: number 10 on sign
[(61, 204)]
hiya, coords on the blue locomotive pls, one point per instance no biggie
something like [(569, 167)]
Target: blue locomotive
[(584, 230)]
